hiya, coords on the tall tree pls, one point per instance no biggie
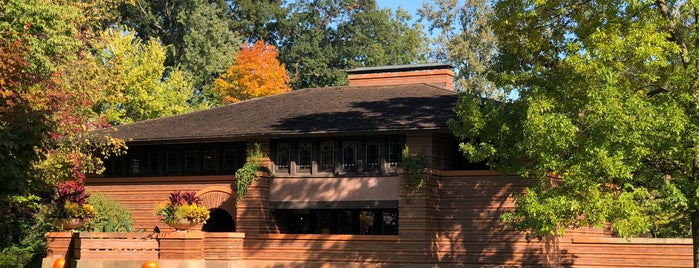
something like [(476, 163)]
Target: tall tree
[(464, 39), (607, 118), (322, 38), (196, 33), (133, 85), (256, 73), (44, 116), (258, 19)]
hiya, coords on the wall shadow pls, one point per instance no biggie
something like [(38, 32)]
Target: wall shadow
[(472, 233)]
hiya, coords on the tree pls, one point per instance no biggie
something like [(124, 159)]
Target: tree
[(343, 34), (607, 118), (133, 87), (465, 40), (207, 44), (258, 19), (256, 73), (45, 116), (196, 33)]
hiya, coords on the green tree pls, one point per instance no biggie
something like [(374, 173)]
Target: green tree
[(258, 19), (45, 116), (322, 38), (133, 86), (606, 122), (465, 40), (197, 34)]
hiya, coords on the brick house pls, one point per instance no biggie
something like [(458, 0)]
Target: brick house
[(335, 197)]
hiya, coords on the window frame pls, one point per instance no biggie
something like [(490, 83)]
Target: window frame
[(319, 156)]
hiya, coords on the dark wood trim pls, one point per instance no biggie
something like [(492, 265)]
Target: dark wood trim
[(376, 204)]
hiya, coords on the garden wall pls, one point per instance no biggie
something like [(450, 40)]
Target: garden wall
[(453, 221), (471, 234), (143, 194)]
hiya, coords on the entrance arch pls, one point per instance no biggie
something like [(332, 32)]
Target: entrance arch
[(219, 221), (220, 200)]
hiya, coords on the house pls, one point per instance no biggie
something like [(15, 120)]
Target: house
[(335, 197)]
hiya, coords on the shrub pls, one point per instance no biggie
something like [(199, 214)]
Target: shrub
[(111, 215)]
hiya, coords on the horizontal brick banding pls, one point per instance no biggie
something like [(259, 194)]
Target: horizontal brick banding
[(115, 246)]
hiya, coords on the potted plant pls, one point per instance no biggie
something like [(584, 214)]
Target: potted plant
[(71, 209), (182, 211)]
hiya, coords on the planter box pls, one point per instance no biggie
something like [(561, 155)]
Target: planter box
[(115, 246)]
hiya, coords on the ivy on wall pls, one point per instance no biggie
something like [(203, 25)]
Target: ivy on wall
[(415, 170), (246, 174)]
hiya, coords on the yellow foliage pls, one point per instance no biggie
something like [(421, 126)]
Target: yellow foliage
[(256, 73)]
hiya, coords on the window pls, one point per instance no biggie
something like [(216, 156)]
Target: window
[(117, 167), (229, 160), (190, 162), (372, 155), (209, 161), (340, 155), (395, 152), (135, 167), (283, 157), (154, 163), (173, 164), (327, 156), (349, 156), (304, 158), (177, 159), (382, 221)]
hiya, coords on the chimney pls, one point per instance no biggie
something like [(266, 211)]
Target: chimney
[(437, 74)]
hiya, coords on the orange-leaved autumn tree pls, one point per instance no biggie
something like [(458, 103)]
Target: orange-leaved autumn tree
[(255, 73)]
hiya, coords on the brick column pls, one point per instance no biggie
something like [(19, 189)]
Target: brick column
[(253, 212), (418, 224), (59, 245)]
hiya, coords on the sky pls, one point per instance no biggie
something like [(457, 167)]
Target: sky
[(409, 5)]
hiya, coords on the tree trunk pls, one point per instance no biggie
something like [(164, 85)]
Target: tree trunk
[(695, 237)]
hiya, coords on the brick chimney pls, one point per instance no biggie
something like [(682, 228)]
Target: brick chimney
[(437, 74)]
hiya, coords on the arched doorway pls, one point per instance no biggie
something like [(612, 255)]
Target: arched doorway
[(220, 201), (219, 221)]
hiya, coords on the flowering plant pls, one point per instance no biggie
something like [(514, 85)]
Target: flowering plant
[(71, 201), (182, 206)]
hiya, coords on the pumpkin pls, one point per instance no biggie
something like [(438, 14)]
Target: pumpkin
[(150, 264), (59, 263)]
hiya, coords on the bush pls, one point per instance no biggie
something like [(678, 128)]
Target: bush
[(111, 216)]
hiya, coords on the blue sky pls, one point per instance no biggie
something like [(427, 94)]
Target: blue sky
[(410, 5)]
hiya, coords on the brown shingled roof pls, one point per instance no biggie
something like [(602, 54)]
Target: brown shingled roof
[(307, 111)]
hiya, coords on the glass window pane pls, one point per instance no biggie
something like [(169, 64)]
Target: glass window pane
[(229, 160), (153, 163), (283, 155), (372, 154), (305, 154), (209, 160), (190, 162), (135, 165), (173, 165), (327, 156), (390, 222), (395, 152), (117, 167), (344, 222), (349, 155), (366, 222)]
